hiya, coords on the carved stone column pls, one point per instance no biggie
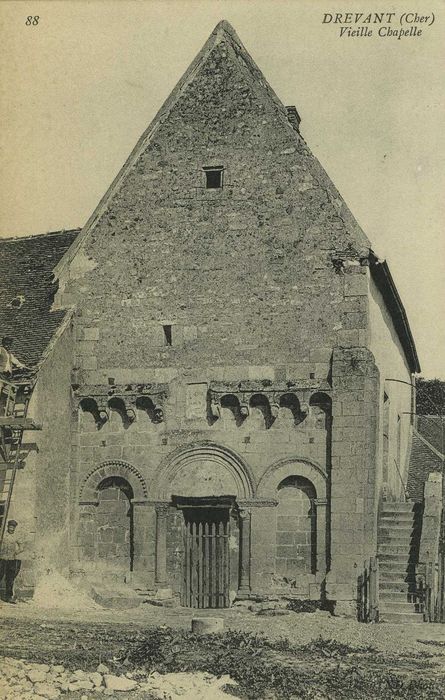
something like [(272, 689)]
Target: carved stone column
[(161, 544), (321, 505), (244, 578), (143, 545)]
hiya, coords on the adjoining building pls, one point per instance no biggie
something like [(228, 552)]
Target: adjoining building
[(224, 364)]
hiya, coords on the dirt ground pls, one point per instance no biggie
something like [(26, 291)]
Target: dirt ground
[(300, 628), (82, 639)]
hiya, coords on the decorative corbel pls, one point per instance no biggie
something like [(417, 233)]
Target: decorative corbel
[(103, 411), (215, 408), (130, 408), (244, 409), (274, 409), (304, 408), (158, 414), (131, 414), (103, 415)]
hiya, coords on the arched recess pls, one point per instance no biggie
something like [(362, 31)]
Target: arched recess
[(321, 409), (296, 534), (113, 468), (230, 408), (290, 411), (205, 469), (91, 415), (283, 469), (260, 411), (112, 526), (306, 476)]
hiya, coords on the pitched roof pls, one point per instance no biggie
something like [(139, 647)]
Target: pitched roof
[(222, 32), (432, 428), (27, 290), (424, 459)]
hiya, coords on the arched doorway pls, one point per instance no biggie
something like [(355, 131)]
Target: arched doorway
[(296, 532), (201, 487), (206, 562)]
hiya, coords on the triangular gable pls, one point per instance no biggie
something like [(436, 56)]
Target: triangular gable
[(223, 31)]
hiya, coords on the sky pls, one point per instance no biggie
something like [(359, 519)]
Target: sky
[(78, 88)]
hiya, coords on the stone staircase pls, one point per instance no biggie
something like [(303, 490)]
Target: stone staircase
[(398, 542)]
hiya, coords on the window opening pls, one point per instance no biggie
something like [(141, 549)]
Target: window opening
[(167, 335), (214, 177)]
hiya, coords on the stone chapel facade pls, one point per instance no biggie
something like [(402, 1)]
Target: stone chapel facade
[(225, 395)]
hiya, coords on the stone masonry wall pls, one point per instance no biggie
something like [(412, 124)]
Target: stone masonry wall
[(354, 504), (243, 274), (395, 384), (296, 529), (263, 279), (106, 531), (148, 446), (40, 500)]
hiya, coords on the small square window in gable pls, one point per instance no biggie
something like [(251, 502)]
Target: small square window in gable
[(213, 177)]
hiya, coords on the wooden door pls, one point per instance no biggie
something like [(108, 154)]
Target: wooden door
[(206, 562)]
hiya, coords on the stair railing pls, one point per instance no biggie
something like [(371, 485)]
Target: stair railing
[(368, 592), (405, 490)]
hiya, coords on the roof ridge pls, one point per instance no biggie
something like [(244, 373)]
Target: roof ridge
[(33, 236)]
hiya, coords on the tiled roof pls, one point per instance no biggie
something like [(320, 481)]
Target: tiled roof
[(27, 291), (432, 428), (423, 460)]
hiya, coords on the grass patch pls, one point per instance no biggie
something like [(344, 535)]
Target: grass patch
[(431, 642), (276, 669), (309, 606)]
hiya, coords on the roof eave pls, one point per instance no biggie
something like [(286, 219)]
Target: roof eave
[(381, 275)]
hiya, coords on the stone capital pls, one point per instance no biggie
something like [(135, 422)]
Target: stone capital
[(162, 509), (244, 513)]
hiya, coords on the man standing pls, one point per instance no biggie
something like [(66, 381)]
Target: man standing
[(10, 366), (8, 363), (10, 549)]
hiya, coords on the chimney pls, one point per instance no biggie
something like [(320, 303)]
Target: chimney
[(294, 117)]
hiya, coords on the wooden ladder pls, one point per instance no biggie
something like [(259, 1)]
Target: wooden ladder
[(14, 402)]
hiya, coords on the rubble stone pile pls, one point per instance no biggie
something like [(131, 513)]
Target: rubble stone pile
[(22, 680)]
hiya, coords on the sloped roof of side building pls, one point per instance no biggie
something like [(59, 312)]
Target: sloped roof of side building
[(27, 289)]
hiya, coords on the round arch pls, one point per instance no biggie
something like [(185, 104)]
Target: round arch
[(205, 458), (296, 466), (113, 468)]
